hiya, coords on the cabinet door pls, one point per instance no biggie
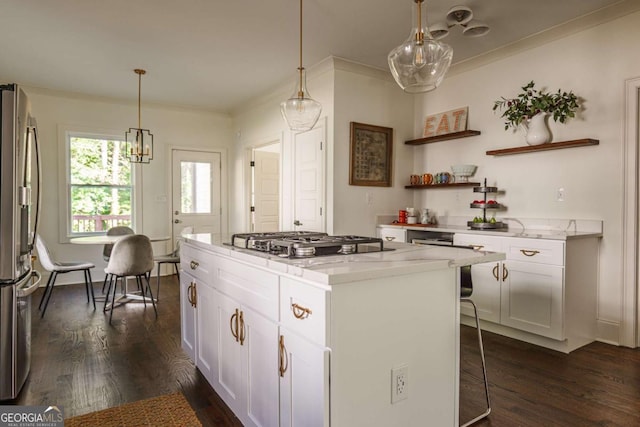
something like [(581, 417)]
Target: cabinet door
[(533, 298), (304, 382), (206, 324), (486, 278), (486, 281), (188, 316), (259, 343), (227, 380)]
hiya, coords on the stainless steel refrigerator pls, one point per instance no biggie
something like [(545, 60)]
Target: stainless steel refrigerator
[(19, 213)]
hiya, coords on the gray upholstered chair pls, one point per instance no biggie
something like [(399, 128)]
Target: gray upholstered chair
[(466, 290), (131, 256), (55, 267), (120, 230), (171, 258)]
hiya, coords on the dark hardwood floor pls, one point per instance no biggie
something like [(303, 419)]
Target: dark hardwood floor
[(84, 364)]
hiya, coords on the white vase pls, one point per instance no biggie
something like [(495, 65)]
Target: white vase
[(537, 130)]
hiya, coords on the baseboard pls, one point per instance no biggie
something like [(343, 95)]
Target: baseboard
[(608, 332)]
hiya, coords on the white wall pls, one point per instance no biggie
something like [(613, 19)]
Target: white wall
[(369, 96), (171, 127), (594, 64), (261, 122)]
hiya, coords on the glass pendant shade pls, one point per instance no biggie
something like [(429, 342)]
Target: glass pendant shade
[(420, 63), (300, 111)]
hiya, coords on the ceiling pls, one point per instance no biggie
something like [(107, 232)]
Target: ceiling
[(217, 55)]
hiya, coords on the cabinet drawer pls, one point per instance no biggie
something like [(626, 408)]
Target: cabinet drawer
[(304, 309), (250, 286), (485, 243), (535, 250), (196, 262), (393, 234)]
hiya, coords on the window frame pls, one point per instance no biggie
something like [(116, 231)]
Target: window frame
[(65, 133)]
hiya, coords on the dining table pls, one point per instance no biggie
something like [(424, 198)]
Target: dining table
[(103, 239)]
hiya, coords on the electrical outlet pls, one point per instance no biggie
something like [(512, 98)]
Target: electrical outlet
[(399, 383), (560, 195)]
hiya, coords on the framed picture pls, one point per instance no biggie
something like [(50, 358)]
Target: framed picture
[(370, 155)]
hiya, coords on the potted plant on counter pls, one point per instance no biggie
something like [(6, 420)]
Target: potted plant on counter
[(530, 109)]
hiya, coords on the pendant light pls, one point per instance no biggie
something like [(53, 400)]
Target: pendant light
[(300, 111), (420, 63), (139, 146)]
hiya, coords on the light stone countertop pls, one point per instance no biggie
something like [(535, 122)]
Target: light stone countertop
[(335, 269), (551, 229)]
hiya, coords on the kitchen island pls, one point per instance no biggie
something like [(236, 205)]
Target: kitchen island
[(363, 339)]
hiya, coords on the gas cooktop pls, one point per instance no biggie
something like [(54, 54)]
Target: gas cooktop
[(302, 244)]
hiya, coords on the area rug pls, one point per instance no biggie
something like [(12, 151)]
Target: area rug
[(171, 410)]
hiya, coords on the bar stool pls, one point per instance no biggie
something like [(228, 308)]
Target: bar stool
[(466, 289)]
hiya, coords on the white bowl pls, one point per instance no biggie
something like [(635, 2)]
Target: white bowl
[(463, 170), (461, 173)]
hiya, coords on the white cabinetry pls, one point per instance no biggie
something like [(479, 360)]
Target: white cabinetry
[(536, 290), (395, 234), (269, 342), (304, 357)]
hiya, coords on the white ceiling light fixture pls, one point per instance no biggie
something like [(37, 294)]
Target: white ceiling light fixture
[(420, 63), (301, 112), (139, 148), (462, 16)]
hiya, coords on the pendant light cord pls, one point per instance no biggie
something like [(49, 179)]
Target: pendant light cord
[(139, 72), (419, 34), (300, 69)]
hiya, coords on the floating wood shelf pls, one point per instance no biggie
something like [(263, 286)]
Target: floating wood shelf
[(455, 135), (455, 184), (544, 147)]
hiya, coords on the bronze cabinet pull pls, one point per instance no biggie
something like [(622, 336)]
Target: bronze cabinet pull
[(505, 272), (283, 364), (241, 330), (495, 271), (477, 247), (190, 294), (299, 311), (529, 253), (194, 265), (233, 323)]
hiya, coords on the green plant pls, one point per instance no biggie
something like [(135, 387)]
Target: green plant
[(532, 101)]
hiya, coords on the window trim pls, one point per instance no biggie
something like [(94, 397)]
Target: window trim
[(65, 132)]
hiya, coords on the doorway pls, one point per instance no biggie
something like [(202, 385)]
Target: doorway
[(196, 191), (265, 188)]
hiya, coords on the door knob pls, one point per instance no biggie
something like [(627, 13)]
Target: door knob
[(296, 222), (177, 213), (177, 221)]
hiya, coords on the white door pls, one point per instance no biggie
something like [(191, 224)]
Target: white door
[(309, 166), (196, 191), (266, 185)]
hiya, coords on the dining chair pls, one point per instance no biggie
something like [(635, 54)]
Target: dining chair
[(466, 290), (171, 258), (120, 230), (55, 268), (131, 256)]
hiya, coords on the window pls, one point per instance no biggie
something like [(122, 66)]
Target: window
[(100, 184)]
